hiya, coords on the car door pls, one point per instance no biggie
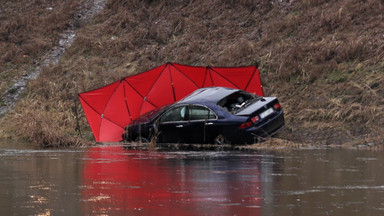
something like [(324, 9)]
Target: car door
[(200, 119), (171, 125)]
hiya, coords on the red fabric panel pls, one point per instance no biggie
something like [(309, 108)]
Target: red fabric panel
[(98, 98), (143, 82), (254, 84), (220, 80), (93, 119), (146, 107), (208, 79), (238, 76), (110, 132), (161, 92), (134, 101), (182, 85), (196, 74), (116, 110)]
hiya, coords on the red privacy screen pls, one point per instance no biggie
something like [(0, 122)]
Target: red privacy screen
[(110, 108)]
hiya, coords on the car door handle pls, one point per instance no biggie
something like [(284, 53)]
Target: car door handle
[(179, 126), (209, 123)]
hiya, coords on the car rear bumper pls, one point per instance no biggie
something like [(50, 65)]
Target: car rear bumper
[(271, 126), (266, 129)]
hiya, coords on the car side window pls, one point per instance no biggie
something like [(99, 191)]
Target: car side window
[(175, 114), (200, 113)]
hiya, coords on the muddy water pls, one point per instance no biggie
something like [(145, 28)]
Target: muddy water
[(111, 180)]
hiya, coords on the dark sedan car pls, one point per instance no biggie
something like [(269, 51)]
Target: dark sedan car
[(215, 115)]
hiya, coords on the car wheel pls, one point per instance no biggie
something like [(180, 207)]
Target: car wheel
[(142, 140), (221, 140)]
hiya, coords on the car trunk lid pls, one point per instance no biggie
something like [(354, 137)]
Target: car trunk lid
[(257, 107)]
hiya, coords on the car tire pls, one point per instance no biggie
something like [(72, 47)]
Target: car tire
[(221, 140)]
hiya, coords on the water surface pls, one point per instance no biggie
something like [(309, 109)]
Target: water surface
[(112, 180)]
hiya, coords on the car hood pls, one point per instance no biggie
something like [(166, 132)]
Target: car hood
[(257, 105)]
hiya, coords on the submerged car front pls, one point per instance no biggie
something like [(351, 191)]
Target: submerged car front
[(142, 128)]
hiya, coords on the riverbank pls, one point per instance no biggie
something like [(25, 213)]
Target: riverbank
[(324, 60), (271, 144)]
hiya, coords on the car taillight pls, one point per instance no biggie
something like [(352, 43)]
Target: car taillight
[(246, 125), (276, 106), (255, 119)]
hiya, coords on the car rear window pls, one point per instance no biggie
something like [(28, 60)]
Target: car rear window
[(236, 101)]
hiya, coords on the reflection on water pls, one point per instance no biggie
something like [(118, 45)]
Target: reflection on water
[(111, 180), (178, 183)]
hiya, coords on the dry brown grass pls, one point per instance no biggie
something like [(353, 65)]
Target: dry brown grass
[(323, 59), (28, 29), (47, 116)]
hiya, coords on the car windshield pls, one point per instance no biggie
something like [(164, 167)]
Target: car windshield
[(235, 102), (149, 115)]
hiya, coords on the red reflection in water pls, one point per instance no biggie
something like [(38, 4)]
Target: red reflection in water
[(118, 181)]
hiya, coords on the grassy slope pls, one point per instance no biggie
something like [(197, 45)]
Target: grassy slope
[(323, 59), (28, 29)]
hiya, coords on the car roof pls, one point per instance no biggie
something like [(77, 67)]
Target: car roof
[(204, 96), (208, 95)]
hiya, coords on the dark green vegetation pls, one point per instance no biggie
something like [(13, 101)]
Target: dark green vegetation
[(323, 59)]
